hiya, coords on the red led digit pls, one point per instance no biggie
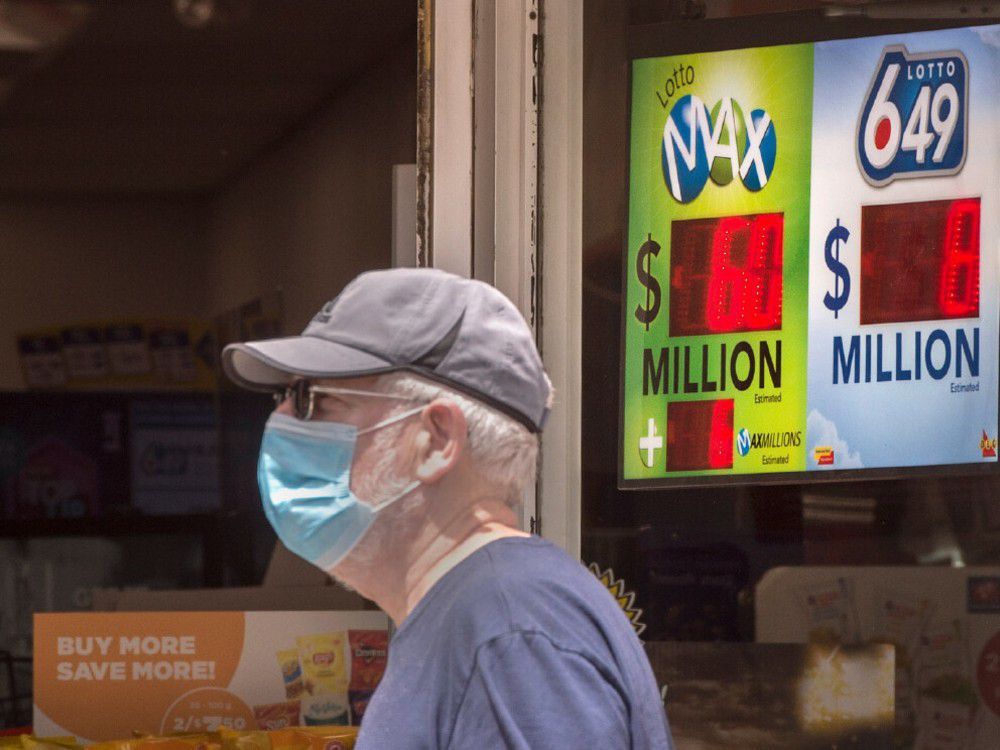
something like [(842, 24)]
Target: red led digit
[(720, 440), (920, 261), (726, 274), (762, 295), (958, 294), (700, 435), (727, 282)]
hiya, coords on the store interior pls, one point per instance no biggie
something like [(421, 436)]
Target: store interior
[(173, 175)]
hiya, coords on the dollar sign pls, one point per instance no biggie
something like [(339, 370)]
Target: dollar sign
[(643, 264), (840, 273)]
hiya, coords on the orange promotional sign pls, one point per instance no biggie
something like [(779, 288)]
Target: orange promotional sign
[(103, 676)]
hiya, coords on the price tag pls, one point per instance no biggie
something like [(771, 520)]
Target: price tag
[(207, 710)]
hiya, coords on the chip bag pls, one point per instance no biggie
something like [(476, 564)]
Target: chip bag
[(197, 741), (326, 709), (323, 665), (277, 715), (232, 740), (369, 653), (291, 673), (314, 738), (29, 742)]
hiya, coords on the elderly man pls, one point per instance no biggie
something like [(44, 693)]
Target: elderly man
[(396, 461)]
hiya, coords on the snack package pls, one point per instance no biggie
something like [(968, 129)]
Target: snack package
[(369, 652), (232, 740), (29, 742), (277, 715), (359, 704), (323, 666), (314, 738), (291, 673), (326, 709), (199, 741), (115, 745), (830, 612)]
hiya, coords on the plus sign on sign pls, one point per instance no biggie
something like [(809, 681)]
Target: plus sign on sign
[(650, 443)]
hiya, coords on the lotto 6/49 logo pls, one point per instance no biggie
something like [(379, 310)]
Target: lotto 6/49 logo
[(721, 144), (915, 116)]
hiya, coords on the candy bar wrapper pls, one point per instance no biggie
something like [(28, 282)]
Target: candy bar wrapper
[(326, 709), (323, 662), (359, 704), (291, 673), (277, 715), (830, 612), (369, 653)]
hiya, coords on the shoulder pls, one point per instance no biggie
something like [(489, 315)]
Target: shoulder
[(520, 584), (535, 586)]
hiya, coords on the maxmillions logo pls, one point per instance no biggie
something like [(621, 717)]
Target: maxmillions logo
[(721, 144), (745, 440)]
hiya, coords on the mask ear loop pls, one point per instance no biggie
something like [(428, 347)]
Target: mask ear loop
[(385, 423)]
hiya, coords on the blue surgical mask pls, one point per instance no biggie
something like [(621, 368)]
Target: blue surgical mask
[(304, 475)]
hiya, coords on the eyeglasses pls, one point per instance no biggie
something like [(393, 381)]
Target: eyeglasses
[(303, 396)]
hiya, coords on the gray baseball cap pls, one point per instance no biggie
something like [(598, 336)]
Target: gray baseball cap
[(456, 331)]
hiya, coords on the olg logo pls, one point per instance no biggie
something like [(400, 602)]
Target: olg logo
[(721, 145)]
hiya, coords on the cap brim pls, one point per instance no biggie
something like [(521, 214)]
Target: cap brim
[(262, 365)]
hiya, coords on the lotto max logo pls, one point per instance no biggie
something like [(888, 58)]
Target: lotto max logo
[(743, 441), (721, 145), (915, 118)]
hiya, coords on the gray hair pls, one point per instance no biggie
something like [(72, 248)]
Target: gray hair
[(503, 450)]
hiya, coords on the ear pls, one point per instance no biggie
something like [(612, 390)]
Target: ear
[(442, 441)]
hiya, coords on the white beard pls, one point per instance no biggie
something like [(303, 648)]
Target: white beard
[(392, 527)]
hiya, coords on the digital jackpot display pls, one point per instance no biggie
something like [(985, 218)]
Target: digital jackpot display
[(920, 261), (811, 278)]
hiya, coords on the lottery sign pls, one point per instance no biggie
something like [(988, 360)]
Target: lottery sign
[(812, 275)]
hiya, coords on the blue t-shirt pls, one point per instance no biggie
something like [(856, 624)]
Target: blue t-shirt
[(517, 646)]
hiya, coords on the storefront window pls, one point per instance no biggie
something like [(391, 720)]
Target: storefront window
[(837, 563)]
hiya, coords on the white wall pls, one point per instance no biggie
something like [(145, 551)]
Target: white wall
[(76, 261), (315, 212)]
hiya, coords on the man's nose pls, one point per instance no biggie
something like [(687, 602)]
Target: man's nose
[(285, 407)]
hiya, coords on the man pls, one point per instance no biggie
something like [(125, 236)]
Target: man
[(396, 461)]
